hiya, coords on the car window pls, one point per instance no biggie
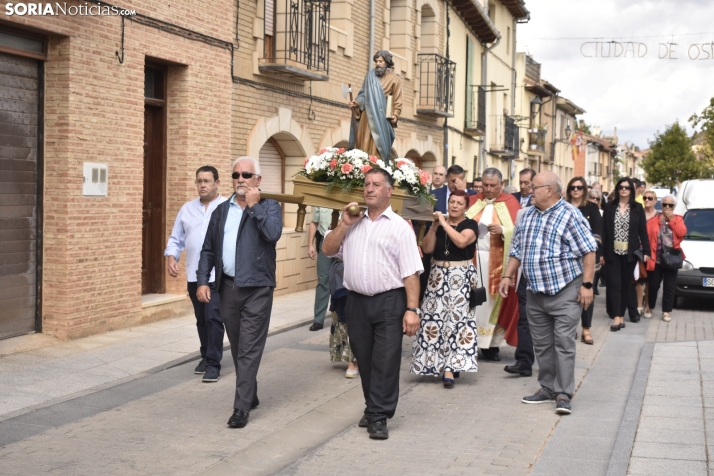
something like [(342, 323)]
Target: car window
[(658, 205), (700, 225)]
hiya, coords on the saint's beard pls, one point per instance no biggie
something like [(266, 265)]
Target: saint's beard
[(380, 71)]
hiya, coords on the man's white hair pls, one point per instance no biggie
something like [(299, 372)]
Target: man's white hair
[(669, 195), (245, 158)]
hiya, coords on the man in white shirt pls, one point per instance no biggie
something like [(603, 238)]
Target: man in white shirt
[(188, 233)]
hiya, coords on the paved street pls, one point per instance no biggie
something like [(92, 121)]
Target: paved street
[(167, 422)]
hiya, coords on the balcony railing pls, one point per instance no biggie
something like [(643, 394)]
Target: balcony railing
[(436, 85), (537, 139), (505, 137), (297, 45), (476, 111), (532, 69)]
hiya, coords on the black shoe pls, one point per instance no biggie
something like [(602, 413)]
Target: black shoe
[(255, 402), (457, 374), (615, 328), (201, 367), (490, 357), (378, 430), (363, 422), (563, 407), (622, 326), (316, 327), (212, 375), (519, 369), (596, 292), (239, 419), (538, 397), (635, 318)]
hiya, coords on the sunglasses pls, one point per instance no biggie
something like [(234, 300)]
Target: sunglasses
[(625, 187), (576, 187), (245, 175), (648, 198), (593, 198), (668, 205)]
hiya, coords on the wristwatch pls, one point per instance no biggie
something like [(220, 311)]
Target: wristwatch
[(415, 310), (588, 285)]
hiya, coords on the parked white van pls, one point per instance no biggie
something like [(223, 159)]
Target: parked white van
[(695, 202)]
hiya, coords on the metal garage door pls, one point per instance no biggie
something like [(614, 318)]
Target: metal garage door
[(19, 114), (271, 169)]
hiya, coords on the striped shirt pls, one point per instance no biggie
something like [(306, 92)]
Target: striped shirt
[(550, 245), (378, 254)]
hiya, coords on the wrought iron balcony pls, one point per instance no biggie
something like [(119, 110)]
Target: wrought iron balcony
[(436, 85), (476, 111), (297, 42), (537, 139), (504, 138)]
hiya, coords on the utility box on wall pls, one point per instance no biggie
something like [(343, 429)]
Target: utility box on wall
[(95, 179)]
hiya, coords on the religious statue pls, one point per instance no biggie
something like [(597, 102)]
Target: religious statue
[(373, 131)]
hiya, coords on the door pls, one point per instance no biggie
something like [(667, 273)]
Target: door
[(271, 168), (153, 211), (19, 130)]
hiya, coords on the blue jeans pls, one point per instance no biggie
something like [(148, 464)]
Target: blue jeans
[(209, 325)]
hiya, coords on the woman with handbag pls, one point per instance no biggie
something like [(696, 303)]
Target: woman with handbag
[(624, 231), (666, 231), (445, 343), (575, 195)]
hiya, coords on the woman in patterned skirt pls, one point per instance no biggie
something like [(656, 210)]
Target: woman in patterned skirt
[(624, 232), (446, 340)]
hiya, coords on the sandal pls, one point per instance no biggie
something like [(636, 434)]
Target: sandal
[(448, 382), (587, 339)]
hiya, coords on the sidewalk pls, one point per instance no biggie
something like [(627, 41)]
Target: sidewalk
[(38, 370)]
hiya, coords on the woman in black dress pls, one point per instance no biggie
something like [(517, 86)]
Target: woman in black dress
[(624, 231), (576, 195)]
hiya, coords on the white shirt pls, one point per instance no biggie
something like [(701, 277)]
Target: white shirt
[(189, 232), (379, 254)]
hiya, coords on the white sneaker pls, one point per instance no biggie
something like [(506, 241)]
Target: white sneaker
[(648, 314), (641, 310), (351, 373), (665, 317)]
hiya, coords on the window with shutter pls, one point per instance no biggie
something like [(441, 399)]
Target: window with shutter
[(271, 168)]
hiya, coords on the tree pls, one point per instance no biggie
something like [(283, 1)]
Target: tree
[(671, 158), (705, 151)]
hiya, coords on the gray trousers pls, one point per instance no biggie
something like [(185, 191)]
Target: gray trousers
[(246, 315), (322, 291), (553, 321)]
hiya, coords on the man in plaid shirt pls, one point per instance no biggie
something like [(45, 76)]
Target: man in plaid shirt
[(554, 244)]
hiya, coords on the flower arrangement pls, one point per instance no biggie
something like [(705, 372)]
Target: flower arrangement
[(347, 168)]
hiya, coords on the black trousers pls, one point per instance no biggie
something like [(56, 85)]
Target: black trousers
[(246, 313), (655, 279), (424, 277), (374, 325), (209, 324), (620, 273), (524, 350)]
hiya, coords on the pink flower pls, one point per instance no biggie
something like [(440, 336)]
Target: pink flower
[(366, 168), (322, 151), (341, 150), (400, 163), (333, 163), (373, 159), (424, 177), (346, 168), (304, 164)]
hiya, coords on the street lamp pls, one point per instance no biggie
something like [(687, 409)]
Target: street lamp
[(536, 104), (568, 131)]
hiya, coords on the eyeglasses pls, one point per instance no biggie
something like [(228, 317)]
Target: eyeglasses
[(245, 175), (593, 198), (648, 198), (204, 182), (625, 187), (539, 186), (576, 187), (668, 205)]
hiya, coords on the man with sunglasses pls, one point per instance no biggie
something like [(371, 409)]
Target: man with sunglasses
[(187, 234), (240, 243)]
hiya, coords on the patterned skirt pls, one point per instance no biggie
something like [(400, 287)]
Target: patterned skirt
[(446, 340), (339, 342)]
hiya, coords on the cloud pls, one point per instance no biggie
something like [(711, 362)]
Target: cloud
[(637, 95)]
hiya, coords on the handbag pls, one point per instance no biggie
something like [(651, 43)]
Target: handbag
[(671, 258), (478, 295)]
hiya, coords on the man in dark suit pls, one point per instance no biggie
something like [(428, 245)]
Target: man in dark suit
[(240, 243), (524, 196)]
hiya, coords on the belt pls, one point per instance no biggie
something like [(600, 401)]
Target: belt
[(620, 245), (451, 264)]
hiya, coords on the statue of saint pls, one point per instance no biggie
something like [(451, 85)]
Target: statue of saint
[(374, 131)]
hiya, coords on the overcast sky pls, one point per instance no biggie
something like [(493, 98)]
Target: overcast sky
[(637, 95)]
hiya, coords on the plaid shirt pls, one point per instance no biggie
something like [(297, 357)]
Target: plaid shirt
[(550, 245)]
